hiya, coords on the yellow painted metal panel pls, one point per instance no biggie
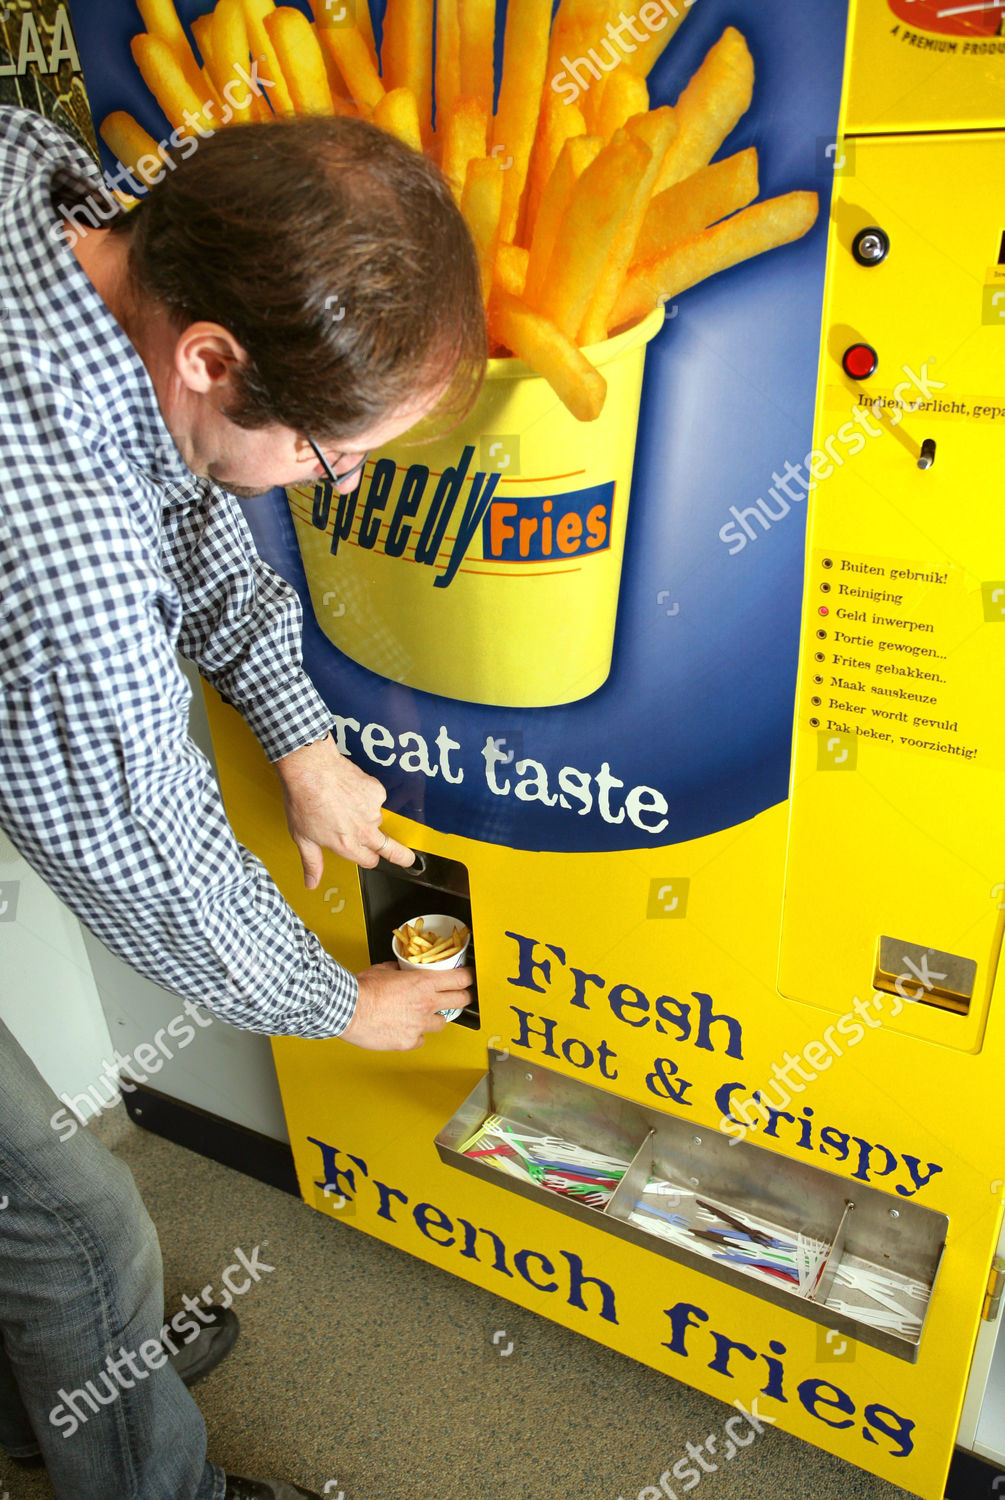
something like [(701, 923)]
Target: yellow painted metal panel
[(898, 813), (925, 65)]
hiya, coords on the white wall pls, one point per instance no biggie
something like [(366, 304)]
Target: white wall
[(65, 998), (48, 997)]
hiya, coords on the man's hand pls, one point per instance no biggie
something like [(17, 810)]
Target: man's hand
[(396, 1006), (332, 804)]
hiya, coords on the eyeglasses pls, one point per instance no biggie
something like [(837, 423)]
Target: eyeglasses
[(338, 480)]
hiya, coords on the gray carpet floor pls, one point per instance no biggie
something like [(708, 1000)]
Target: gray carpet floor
[(363, 1373)]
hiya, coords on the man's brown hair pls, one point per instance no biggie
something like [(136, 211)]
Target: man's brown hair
[(337, 258)]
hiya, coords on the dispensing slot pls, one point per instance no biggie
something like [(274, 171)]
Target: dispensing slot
[(394, 894)]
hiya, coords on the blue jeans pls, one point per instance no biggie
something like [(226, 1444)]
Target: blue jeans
[(81, 1294)]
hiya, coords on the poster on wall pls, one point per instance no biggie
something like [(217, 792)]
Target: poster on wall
[(40, 68), (572, 624)]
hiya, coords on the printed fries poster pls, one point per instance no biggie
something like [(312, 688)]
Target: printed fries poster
[(573, 623)]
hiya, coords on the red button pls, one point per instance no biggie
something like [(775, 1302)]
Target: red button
[(860, 361)]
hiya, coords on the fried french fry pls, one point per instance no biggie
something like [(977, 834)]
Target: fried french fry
[(559, 122), (299, 53), (202, 30), (625, 94), (537, 341), (655, 131), (481, 205), (255, 13), (161, 20), (680, 212), (134, 147), (597, 205), (341, 102), (708, 109), (229, 50), (348, 47), (166, 79), (407, 57), (525, 57), (582, 52), (651, 50), (577, 154), (448, 63), (511, 268), (764, 226), (465, 137), (398, 114), (477, 21), (351, 13)]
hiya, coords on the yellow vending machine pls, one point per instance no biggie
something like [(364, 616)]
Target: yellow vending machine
[(682, 663)]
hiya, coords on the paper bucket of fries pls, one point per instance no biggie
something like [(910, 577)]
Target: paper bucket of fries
[(432, 942), (487, 566)]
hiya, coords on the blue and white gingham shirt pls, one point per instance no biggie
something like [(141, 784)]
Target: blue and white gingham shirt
[(112, 555)]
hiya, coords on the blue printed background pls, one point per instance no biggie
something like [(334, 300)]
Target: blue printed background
[(699, 701)]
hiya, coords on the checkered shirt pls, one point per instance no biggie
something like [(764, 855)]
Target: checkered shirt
[(112, 555)]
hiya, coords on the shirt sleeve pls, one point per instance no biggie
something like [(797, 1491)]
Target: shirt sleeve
[(106, 795), (241, 622)]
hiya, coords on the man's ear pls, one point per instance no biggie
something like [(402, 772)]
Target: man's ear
[(206, 357)]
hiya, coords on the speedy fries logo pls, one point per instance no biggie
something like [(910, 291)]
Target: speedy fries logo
[(433, 520), (536, 529)]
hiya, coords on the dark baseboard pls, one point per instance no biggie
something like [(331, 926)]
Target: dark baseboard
[(221, 1140), (973, 1478)]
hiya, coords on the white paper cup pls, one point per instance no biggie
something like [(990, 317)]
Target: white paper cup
[(436, 925)]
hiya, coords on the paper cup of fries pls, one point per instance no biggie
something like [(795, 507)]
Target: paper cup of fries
[(432, 942), (514, 600), (487, 567)]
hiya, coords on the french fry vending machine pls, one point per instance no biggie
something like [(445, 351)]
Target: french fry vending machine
[(682, 664)]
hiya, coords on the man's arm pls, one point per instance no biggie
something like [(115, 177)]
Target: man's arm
[(110, 801), (242, 627)]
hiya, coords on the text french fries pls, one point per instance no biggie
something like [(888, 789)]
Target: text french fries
[(718, 94), (477, 22), (398, 114), (465, 137), (537, 341), (348, 47), (655, 131), (599, 201), (135, 149), (764, 226), (481, 205), (681, 212), (525, 58), (166, 79), (299, 53), (255, 12), (407, 57), (576, 156)]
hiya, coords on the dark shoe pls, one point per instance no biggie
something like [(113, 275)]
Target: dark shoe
[(202, 1354), (26, 1460), (265, 1489)]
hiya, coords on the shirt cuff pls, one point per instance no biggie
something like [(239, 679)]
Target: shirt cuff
[(290, 719)]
